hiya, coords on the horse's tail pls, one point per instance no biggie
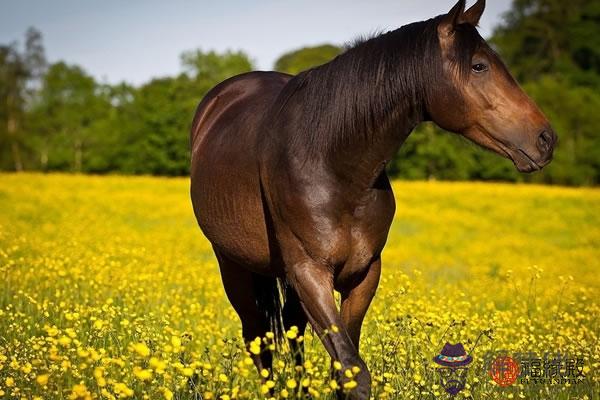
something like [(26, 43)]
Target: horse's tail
[(270, 297)]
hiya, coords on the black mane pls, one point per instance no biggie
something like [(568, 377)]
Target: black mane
[(357, 92)]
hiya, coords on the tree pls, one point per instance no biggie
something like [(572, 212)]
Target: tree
[(13, 78), (540, 37), (211, 68), (305, 58), (154, 128), (35, 56), (68, 106), (19, 72), (573, 111)]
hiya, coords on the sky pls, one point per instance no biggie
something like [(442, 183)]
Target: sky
[(135, 40)]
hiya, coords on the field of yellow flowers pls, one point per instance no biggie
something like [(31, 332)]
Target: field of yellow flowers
[(109, 290)]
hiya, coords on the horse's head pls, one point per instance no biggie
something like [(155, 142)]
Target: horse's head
[(478, 98)]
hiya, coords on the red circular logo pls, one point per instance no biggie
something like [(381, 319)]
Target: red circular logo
[(504, 371)]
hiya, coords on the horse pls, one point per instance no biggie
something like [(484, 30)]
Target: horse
[(288, 178)]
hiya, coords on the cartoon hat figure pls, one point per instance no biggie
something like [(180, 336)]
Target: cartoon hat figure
[(454, 362), (453, 356)]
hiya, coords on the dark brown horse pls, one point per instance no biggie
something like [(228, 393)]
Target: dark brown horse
[(288, 172)]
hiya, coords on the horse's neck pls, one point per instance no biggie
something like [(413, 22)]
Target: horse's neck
[(361, 161), (357, 111)]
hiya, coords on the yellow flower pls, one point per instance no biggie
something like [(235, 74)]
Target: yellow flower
[(64, 341), (291, 334), (82, 353), (291, 383), (142, 374), (350, 385), (254, 348), (98, 324), (141, 349), (158, 365), (264, 389), (51, 330), (80, 391), (176, 342), (168, 394), (26, 368), (122, 390), (98, 372), (42, 380)]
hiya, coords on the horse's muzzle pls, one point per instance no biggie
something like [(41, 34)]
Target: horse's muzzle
[(545, 144)]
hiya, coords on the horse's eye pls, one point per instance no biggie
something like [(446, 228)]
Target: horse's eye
[(479, 67)]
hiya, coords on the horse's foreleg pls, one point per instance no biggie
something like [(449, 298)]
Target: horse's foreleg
[(356, 301), (314, 284)]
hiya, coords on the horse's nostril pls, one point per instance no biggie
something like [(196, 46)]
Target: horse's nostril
[(545, 141)]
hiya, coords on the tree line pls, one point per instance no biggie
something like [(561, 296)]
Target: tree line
[(57, 117)]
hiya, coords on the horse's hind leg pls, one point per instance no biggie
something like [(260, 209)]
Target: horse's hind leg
[(239, 284), (294, 315)]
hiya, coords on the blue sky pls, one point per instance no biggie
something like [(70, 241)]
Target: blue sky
[(136, 40)]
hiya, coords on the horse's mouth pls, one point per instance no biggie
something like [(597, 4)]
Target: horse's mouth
[(522, 161), (525, 163), (520, 158)]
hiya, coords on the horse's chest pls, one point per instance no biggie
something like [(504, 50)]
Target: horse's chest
[(368, 231)]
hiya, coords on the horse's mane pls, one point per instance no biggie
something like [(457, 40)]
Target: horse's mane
[(355, 93)]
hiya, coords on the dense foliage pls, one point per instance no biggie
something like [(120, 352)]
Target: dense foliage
[(58, 117)]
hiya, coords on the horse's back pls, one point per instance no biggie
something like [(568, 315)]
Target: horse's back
[(225, 186)]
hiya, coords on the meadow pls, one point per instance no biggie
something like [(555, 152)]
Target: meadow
[(109, 290)]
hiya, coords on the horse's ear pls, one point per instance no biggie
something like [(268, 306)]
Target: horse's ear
[(450, 20), (473, 14)]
